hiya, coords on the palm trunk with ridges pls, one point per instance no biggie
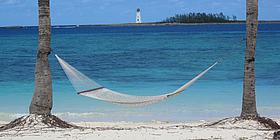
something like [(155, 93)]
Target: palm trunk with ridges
[(42, 98), (249, 109)]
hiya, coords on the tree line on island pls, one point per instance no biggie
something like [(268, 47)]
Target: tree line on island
[(200, 18)]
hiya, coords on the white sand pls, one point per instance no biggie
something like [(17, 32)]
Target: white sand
[(142, 131)]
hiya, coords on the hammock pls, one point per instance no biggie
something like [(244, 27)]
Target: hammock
[(87, 87)]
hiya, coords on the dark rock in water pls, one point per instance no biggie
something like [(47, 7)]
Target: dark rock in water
[(276, 135)]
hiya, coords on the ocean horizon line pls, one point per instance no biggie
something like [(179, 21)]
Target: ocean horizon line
[(141, 24)]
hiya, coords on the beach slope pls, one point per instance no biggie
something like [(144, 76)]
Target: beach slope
[(141, 131)]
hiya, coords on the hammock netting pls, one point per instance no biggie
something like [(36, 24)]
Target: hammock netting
[(88, 87)]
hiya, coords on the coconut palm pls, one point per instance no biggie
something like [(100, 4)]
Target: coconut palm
[(41, 104), (249, 109), (42, 98)]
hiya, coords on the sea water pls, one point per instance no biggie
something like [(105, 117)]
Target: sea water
[(143, 60)]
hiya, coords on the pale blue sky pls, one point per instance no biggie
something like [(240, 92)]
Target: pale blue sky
[(24, 12)]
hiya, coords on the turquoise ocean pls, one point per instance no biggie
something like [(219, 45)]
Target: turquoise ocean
[(143, 60)]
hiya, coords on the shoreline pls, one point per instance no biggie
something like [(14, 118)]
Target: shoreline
[(77, 117)]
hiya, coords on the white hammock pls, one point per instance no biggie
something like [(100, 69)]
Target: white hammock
[(87, 87)]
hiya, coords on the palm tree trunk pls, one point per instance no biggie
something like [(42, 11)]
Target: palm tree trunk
[(249, 109), (42, 99), (41, 104)]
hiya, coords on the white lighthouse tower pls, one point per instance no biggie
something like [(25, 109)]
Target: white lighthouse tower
[(138, 16)]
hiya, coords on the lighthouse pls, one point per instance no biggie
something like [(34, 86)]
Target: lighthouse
[(138, 16)]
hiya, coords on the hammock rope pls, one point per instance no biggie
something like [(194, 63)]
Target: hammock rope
[(88, 87)]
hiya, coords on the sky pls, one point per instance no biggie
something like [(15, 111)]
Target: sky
[(24, 12)]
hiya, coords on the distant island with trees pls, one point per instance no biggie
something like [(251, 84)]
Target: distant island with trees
[(200, 18), (178, 19)]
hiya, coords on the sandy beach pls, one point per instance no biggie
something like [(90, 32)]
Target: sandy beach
[(143, 131)]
